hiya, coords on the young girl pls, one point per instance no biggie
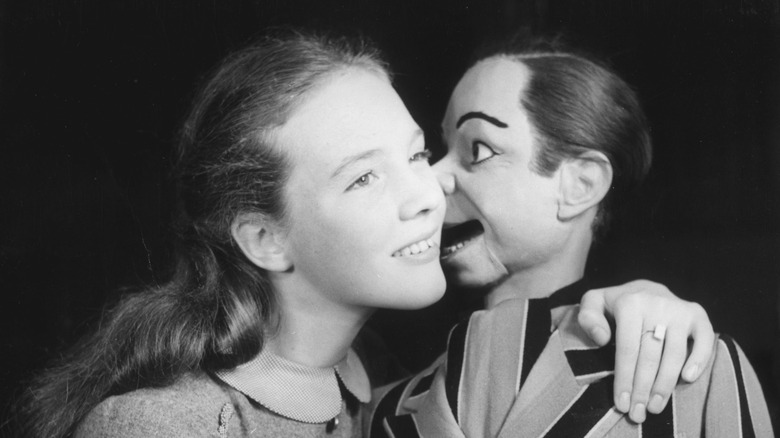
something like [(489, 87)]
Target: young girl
[(306, 201)]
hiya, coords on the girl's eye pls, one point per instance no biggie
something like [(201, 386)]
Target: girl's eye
[(421, 156), (362, 181), (481, 152)]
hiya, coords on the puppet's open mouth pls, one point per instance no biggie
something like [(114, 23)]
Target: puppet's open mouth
[(455, 237)]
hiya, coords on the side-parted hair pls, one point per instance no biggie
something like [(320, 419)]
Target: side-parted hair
[(212, 313), (577, 103)]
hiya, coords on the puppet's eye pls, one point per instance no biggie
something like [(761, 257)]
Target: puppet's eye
[(481, 152)]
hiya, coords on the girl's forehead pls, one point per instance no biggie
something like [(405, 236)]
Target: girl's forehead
[(352, 110)]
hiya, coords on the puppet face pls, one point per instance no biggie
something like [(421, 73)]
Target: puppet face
[(501, 215), (364, 207)]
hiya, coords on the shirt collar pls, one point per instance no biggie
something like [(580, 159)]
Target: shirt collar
[(569, 295), (296, 391)]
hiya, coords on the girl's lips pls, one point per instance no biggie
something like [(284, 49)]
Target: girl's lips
[(416, 248)]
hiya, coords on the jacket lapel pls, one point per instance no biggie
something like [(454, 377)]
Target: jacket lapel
[(434, 418), (554, 401), (491, 370), (551, 387)]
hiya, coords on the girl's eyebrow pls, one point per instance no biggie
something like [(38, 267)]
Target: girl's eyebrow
[(352, 159), (371, 153), (480, 115)]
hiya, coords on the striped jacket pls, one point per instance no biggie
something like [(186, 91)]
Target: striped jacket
[(505, 375)]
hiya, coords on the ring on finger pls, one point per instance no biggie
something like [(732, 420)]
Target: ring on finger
[(659, 332)]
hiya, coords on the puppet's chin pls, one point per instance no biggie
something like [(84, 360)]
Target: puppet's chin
[(472, 265)]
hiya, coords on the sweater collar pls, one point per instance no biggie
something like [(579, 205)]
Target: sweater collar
[(302, 393)]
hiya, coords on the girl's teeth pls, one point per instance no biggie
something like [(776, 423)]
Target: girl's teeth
[(415, 248)]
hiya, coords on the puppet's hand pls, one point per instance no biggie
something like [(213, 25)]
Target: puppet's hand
[(653, 328)]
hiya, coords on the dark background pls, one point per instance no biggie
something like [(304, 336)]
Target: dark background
[(91, 93)]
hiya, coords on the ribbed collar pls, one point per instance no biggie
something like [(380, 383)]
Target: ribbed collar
[(296, 391)]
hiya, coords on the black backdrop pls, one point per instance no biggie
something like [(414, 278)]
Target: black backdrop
[(91, 93)]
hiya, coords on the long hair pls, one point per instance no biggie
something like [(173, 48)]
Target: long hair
[(212, 312), (575, 103)]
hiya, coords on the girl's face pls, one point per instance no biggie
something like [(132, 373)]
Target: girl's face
[(364, 209)]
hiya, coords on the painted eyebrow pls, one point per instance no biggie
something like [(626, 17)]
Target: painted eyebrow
[(352, 159), (480, 115)]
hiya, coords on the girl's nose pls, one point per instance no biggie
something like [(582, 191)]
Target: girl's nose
[(421, 195)]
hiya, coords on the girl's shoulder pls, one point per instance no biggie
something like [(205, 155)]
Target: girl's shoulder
[(191, 406)]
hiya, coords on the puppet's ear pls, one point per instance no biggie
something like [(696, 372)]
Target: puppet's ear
[(584, 182), (262, 242)]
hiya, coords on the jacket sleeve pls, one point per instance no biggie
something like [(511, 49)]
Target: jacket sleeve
[(735, 404)]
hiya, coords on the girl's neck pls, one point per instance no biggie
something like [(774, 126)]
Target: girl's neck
[(315, 335)]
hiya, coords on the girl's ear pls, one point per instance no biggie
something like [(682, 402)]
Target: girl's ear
[(262, 242), (585, 181)]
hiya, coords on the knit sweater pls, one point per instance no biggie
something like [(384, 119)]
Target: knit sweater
[(198, 405)]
